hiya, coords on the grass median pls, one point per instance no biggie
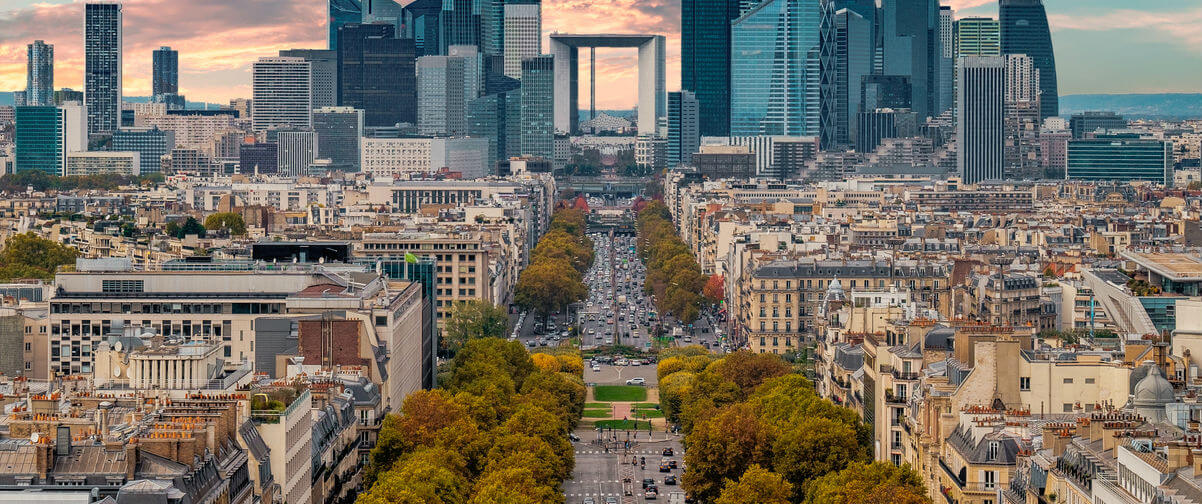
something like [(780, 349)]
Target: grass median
[(619, 393)]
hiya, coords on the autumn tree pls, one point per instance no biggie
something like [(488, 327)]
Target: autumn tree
[(715, 289), (513, 485), (472, 319), (28, 255), (549, 285), (722, 447), (748, 370), (756, 486), (875, 483), (430, 476)]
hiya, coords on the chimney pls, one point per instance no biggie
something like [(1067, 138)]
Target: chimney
[(43, 456), (1177, 455), (131, 459)]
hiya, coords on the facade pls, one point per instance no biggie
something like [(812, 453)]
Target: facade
[(706, 60), (980, 122), (376, 74), (777, 70), (191, 131), (853, 56), (460, 21), (1025, 30), (388, 157), (289, 435), (652, 92), (720, 161), (102, 163), (165, 72), (296, 152), (151, 144), (338, 131), (684, 128), (45, 135), (651, 152), (341, 12), (978, 36), (259, 157), (422, 25), (879, 124), (1120, 158), (539, 115), (281, 93), (497, 117), (1022, 119), (323, 64), (911, 48), (1087, 123), (102, 65), (39, 74), (523, 35), (441, 102)]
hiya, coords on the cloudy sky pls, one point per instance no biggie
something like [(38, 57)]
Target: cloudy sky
[(1102, 46)]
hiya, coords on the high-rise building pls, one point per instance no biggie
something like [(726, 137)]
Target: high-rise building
[(440, 102), (912, 47), (879, 124), (165, 74), (978, 36), (102, 65), (705, 68), (44, 136), (19, 99), (1022, 118), (684, 122), (376, 74), (421, 23), (383, 11), (980, 118), (885, 91), (1124, 157), (1089, 122), (259, 157), (853, 61), (341, 12), (296, 151), (473, 69), (323, 64), (947, 61), (777, 68), (460, 23), (538, 111), (151, 144), (523, 36), (338, 130), (947, 31), (497, 117), (1024, 29), (65, 95), (39, 74), (281, 93)]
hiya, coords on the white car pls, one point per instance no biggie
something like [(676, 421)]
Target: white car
[(638, 380), (596, 368)]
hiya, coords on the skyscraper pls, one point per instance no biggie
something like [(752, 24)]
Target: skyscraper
[(912, 47), (684, 136), (1024, 28), (383, 11), (376, 74), (342, 12), (705, 67), (420, 20), (324, 67), (978, 36), (538, 108), (338, 130), (165, 74), (473, 69), (947, 60), (102, 65), (523, 36), (853, 61), (39, 74), (1022, 118), (777, 66), (44, 136), (980, 113), (440, 100), (295, 152), (151, 144), (460, 23), (281, 98), (497, 117)]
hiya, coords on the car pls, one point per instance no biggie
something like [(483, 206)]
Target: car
[(650, 494), (670, 480), (609, 499), (592, 331), (531, 343), (609, 341), (648, 482), (573, 437), (664, 467), (668, 452), (596, 368), (672, 464), (638, 380), (588, 500)]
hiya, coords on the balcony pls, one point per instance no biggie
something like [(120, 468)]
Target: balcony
[(894, 399), (905, 375)]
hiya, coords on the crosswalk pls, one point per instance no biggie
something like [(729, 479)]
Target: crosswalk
[(619, 452)]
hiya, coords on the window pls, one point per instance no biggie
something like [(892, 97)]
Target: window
[(1024, 383), (1068, 381), (1068, 407), (989, 478), (1089, 381), (992, 453), (28, 347)]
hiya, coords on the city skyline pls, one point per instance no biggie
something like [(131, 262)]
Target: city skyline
[(1101, 47)]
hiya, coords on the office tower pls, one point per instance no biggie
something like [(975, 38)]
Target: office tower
[(102, 66), (497, 117), (296, 152), (82, 164), (281, 93), (978, 36), (341, 12), (440, 101), (947, 61), (151, 144), (259, 157), (885, 91), (1022, 118), (324, 80), (165, 74), (879, 124), (65, 95), (1123, 157), (45, 135), (790, 156), (684, 136), (383, 11), (19, 99), (376, 74), (853, 61), (422, 25), (523, 36), (776, 68), (705, 59), (537, 114), (460, 23), (1024, 27), (473, 69), (39, 75), (911, 47), (1089, 122), (980, 112), (947, 31), (338, 130)]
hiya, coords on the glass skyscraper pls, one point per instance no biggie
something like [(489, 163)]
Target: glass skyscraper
[(102, 66), (39, 77), (151, 144), (538, 108), (684, 137), (1120, 158), (776, 68), (376, 74), (980, 117), (460, 23), (342, 12), (912, 47), (165, 75), (496, 116), (978, 36), (38, 139), (853, 61), (422, 25), (338, 130), (1025, 31), (705, 67)]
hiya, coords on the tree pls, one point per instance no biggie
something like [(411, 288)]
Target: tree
[(757, 486), (190, 226), (875, 483), (226, 221), (433, 475), (513, 485), (748, 370), (812, 447), (473, 319), (549, 285), (715, 289), (721, 447), (28, 255)]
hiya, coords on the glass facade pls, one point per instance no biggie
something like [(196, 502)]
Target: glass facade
[(151, 144), (705, 59), (376, 74), (342, 12), (338, 130), (422, 25), (165, 74), (1024, 25), (1120, 158), (38, 139), (496, 116), (683, 121), (460, 23), (102, 66), (853, 61), (978, 37), (538, 108), (39, 76)]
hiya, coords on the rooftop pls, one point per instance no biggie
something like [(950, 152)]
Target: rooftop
[(1175, 266)]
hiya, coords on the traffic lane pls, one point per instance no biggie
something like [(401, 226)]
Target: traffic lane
[(598, 472), (610, 374)]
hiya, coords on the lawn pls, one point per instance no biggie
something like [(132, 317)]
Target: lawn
[(642, 405), (597, 413), (622, 424), (589, 405), (619, 393), (648, 413)]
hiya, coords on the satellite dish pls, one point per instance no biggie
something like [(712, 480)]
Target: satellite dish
[(117, 371), (33, 438), (117, 346)]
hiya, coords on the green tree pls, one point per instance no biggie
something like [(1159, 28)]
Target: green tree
[(549, 285), (430, 476), (875, 483), (226, 221), (721, 447), (473, 319), (190, 226), (813, 447), (756, 486), (28, 255), (513, 485)]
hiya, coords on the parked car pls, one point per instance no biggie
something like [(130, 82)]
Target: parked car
[(638, 380), (668, 452)]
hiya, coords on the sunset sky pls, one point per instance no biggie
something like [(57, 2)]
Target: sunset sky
[(1102, 46)]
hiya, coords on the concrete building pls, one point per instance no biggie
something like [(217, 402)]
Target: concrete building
[(151, 144), (523, 35), (338, 132), (281, 93), (102, 65), (102, 163), (297, 151), (191, 131), (323, 65), (441, 105), (980, 118), (387, 157), (652, 91)]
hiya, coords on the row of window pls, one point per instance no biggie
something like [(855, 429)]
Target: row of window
[(202, 308)]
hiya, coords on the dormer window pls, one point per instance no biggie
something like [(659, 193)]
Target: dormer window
[(993, 447)]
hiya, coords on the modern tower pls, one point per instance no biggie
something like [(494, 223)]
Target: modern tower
[(44, 136), (947, 60), (460, 23), (151, 144), (777, 63), (497, 116), (39, 74), (980, 117), (912, 47), (853, 61), (421, 23), (684, 135), (978, 36), (165, 75), (538, 111), (1024, 29), (342, 12), (441, 105), (324, 65), (376, 74), (102, 65), (1022, 118), (523, 36), (281, 98), (295, 152), (383, 11), (338, 130), (706, 59)]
